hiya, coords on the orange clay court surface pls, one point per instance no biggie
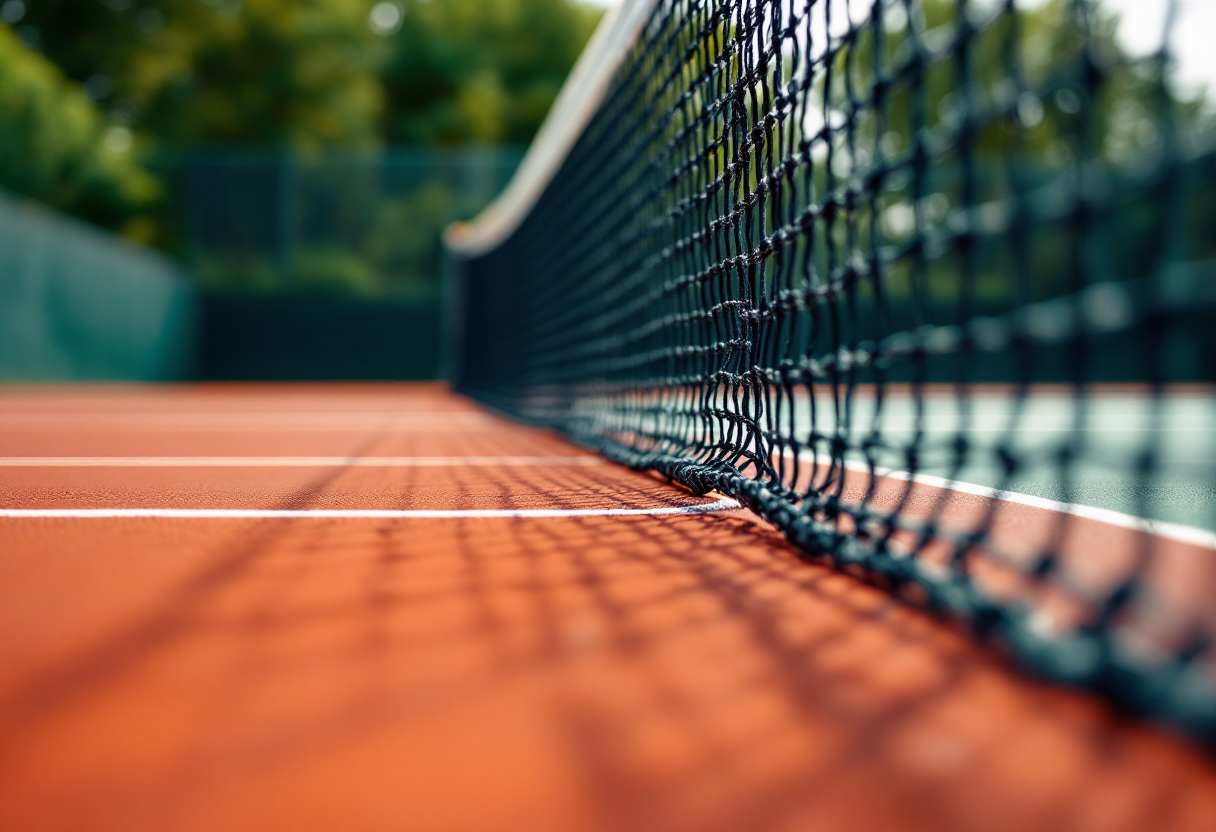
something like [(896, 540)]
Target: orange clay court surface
[(664, 671)]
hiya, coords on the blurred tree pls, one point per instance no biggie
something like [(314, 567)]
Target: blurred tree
[(312, 72), (56, 147), (1063, 56), (282, 72), (478, 71)]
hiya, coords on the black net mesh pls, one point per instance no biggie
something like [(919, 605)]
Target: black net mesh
[(909, 279)]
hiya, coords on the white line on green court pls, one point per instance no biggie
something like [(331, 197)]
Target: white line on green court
[(1172, 531)]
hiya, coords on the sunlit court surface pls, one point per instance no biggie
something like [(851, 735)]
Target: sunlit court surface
[(608, 415), (593, 649)]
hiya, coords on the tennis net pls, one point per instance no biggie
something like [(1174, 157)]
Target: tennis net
[(928, 285)]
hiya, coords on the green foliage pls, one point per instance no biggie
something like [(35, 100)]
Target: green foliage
[(480, 71), (1048, 52), (295, 72), (308, 73), (56, 147), (281, 72), (178, 75)]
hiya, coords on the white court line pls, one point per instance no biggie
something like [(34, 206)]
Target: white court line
[(204, 417), (724, 504), (291, 461), (257, 427), (431, 422), (1160, 528)]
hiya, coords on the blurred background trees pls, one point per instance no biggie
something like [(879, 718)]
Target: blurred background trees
[(314, 72), (317, 148), (479, 71), (267, 72), (57, 148), (257, 139), (260, 139)]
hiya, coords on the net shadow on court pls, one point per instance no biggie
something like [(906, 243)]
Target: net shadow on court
[(753, 235), (623, 673)]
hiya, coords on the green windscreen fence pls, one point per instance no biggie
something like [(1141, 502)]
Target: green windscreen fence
[(322, 266), (77, 303), (359, 223)]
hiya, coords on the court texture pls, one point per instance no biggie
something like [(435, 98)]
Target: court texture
[(386, 607), (827, 444)]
